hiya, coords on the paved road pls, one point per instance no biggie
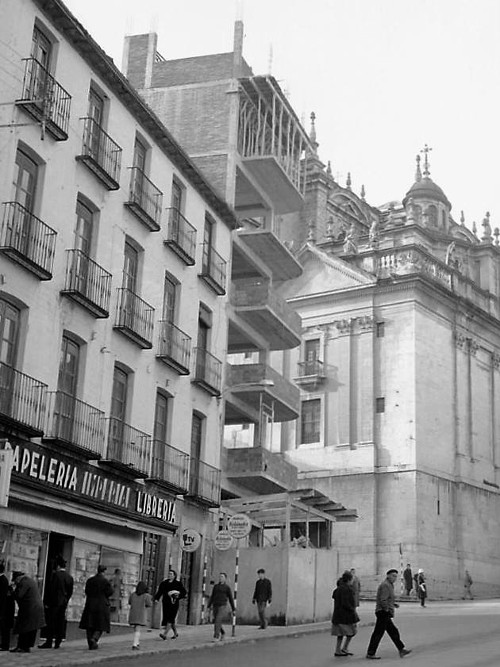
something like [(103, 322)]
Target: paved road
[(448, 635)]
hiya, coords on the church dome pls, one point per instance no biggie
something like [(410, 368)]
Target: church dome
[(424, 187)]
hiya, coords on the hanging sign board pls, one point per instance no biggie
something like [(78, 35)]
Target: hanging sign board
[(6, 463), (239, 525), (190, 540), (223, 540)]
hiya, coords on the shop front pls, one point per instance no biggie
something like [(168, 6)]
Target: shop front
[(62, 505)]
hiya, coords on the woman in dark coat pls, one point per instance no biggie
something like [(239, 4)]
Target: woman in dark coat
[(30, 616), (171, 591), (95, 617), (344, 617)]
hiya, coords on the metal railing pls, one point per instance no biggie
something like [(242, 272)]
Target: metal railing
[(41, 89), (208, 369), (75, 422), (170, 465), (23, 399), (99, 147), (204, 481), (214, 267), (311, 367), (29, 236), (87, 279), (174, 343), (181, 233), (144, 194), (128, 446), (134, 314)]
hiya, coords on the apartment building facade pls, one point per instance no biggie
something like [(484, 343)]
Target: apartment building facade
[(114, 272)]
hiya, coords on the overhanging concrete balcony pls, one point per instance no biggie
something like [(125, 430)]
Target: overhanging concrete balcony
[(251, 385), (272, 144), (259, 470), (262, 246), (256, 302)]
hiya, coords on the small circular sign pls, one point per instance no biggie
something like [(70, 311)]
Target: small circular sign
[(190, 540), (239, 525), (223, 540)]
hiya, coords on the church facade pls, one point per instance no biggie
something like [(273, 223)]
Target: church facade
[(399, 370)]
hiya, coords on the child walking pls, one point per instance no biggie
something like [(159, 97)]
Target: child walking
[(139, 601)]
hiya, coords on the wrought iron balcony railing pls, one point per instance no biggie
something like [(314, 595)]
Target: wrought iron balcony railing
[(312, 367), (100, 154), (134, 318), (128, 447), (145, 199), (23, 400), (27, 240), (174, 347), (87, 283), (181, 236), (45, 99), (208, 371), (214, 269), (170, 467), (75, 424), (204, 482)]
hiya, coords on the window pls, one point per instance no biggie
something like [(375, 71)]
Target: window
[(119, 395), (170, 298), (310, 421), (25, 181), (311, 356), (380, 328), (138, 172), (9, 333), (208, 233), (96, 116), (41, 48), (196, 445), (64, 413), (177, 196), (204, 326), (130, 267), (380, 405), (83, 228), (161, 418)]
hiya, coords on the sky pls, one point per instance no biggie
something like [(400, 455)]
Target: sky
[(384, 78)]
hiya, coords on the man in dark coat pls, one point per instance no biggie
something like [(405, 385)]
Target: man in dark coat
[(262, 595), (58, 592), (95, 617), (30, 616), (408, 577), (6, 609), (219, 597)]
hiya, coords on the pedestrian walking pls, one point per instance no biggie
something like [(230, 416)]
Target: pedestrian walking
[(356, 586), (140, 600), (467, 586), (7, 607), (384, 612), (408, 579), (219, 598), (172, 592), (95, 617), (345, 616), (262, 596), (421, 587), (115, 601), (30, 615), (58, 592)]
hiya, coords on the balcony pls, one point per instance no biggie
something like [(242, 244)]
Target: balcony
[(145, 200), (272, 144), (266, 246), (310, 374), (204, 483), (181, 237), (100, 154), (257, 303), (207, 372), (87, 283), (259, 470), (45, 100), (75, 425), (174, 347), (134, 318), (128, 450), (170, 467), (23, 401), (249, 386), (213, 270), (27, 240)]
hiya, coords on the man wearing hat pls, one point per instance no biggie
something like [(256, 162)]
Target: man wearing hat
[(30, 615), (96, 618), (58, 592)]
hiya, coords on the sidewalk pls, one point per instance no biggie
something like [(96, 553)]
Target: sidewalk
[(75, 652)]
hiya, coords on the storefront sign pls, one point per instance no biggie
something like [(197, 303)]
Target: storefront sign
[(80, 480), (223, 540), (190, 540), (239, 525), (6, 460)]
